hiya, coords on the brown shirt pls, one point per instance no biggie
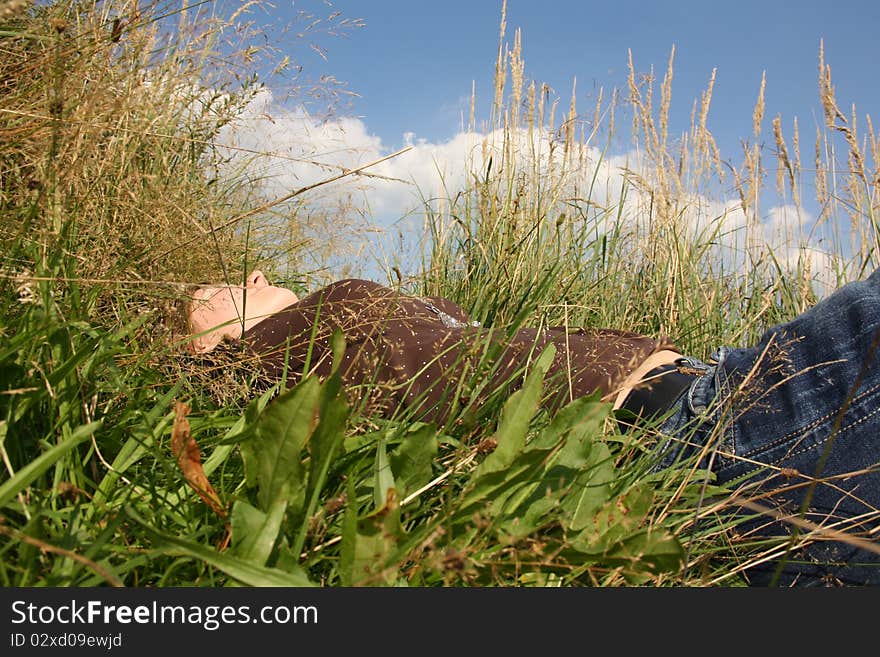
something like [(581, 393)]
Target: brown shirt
[(426, 356)]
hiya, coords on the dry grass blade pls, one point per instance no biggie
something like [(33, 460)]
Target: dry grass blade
[(284, 199), (815, 530)]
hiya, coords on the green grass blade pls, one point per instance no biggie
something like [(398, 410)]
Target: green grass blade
[(24, 477)]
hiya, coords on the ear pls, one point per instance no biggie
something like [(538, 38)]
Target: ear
[(201, 344)]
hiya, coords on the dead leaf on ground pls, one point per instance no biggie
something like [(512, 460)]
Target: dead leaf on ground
[(189, 458)]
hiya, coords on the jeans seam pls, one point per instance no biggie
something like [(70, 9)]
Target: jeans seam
[(726, 441), (813, 424), (839, 433)]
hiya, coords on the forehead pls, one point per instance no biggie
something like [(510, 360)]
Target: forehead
[(207, 292)]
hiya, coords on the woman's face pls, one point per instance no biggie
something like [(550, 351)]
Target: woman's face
[(216, 311)]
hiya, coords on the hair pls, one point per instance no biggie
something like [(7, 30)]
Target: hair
[(227, 373), (178, 315)]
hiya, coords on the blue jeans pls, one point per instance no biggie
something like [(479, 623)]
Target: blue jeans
[(790, 418)]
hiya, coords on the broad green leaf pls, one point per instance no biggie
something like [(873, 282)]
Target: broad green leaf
[(375, 542), (646, 551), (655, 550), (591, 488), (273, 456), (537, 514), (580, 423), (516, 416), (412, 461), (329, 434), (253, 532), (323, 446), (383, 478), (567, 446), (362, 440), (490, 491), (615, 521)]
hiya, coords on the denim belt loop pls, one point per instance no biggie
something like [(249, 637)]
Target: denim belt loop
[(699, 369), (706, 394), (696, 408)]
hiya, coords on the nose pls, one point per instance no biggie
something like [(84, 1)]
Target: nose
[(257, 279)]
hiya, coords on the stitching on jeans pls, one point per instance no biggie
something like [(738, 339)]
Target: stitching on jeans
[(807, 429), (842, 430), (814, 423)]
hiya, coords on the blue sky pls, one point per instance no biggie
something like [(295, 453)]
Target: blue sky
[(413, 63)]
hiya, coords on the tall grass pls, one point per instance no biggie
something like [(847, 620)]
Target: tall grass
[(109, 195), (126, 462), (650, 241), (551, 233)]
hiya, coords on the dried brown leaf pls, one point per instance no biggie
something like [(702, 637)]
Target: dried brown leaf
[(189, 458)]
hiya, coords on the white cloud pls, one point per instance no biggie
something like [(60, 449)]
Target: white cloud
[(297, 150)]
